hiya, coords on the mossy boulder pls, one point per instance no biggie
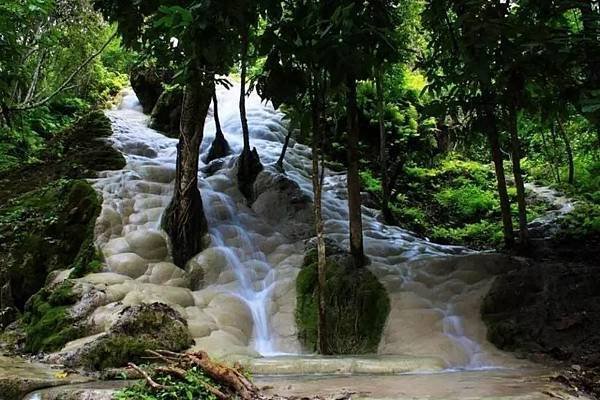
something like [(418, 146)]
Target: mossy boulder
[(147, 83), (45, 230), (78, 152), (357, 304), (48, 323), (167, 111), (137, 329)]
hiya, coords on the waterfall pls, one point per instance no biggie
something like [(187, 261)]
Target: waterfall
[(238, 295)]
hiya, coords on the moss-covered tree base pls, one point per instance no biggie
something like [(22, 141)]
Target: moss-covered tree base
[(357, 305)]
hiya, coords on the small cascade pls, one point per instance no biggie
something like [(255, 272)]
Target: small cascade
[(254, 292), (238, 295)]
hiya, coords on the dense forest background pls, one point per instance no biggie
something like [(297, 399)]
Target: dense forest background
[(435, 77)]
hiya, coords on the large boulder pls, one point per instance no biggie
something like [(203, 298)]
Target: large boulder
[(45, 230), (136, 330), (547, 307), (167, 112), (147, 83), (356, 303), (283, 204)]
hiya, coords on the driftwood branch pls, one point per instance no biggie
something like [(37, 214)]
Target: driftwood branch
[(149, 380), (228, 376)]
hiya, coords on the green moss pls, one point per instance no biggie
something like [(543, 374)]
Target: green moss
[(117, 351), (48, 324), (357, 306), (45, 230)]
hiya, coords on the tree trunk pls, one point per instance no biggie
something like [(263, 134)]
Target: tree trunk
[(518, 174), (322, 345), (555, 157), (249, 165), (242, 105), (354, 200), (569, 149), (279, 163), (590, 20), (494, 141), (385, 186), (549, 157), (219, 147), (184, 219)]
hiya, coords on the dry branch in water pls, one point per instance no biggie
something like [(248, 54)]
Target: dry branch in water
[(231, 379)]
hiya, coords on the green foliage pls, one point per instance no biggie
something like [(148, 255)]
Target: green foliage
[(48, 325), (481, 235), (467, 202), (41, 44), (370, 183), (582, 223), (194, 386), (357, 306)]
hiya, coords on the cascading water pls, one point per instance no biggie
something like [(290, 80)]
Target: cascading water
[(238, 295)]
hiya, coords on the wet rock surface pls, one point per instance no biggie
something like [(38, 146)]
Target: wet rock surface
[(281, 202), (19, 377)]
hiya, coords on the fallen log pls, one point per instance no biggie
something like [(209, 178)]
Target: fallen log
[(225, 375)]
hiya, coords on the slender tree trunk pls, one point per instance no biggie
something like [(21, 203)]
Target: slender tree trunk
[(354, 200), (322, 344), (569, 150), (249, 164), (184, 219), (279, 163), (518, 174), (549, 157), (385, 186), (494, 141), (555, 157), (219, 147), (242, 105)]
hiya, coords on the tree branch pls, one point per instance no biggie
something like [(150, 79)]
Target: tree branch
[(63, 86)]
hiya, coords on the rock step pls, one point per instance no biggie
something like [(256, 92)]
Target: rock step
[(334, 365), (466, 385)]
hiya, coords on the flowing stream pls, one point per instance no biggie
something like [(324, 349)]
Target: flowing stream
[(238, 295)]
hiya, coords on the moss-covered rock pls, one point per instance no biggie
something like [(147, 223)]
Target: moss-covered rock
[(147, 83), (78, 152), (166, 113), (357, 305), (45, 230), (138, 328), (47, 320)]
